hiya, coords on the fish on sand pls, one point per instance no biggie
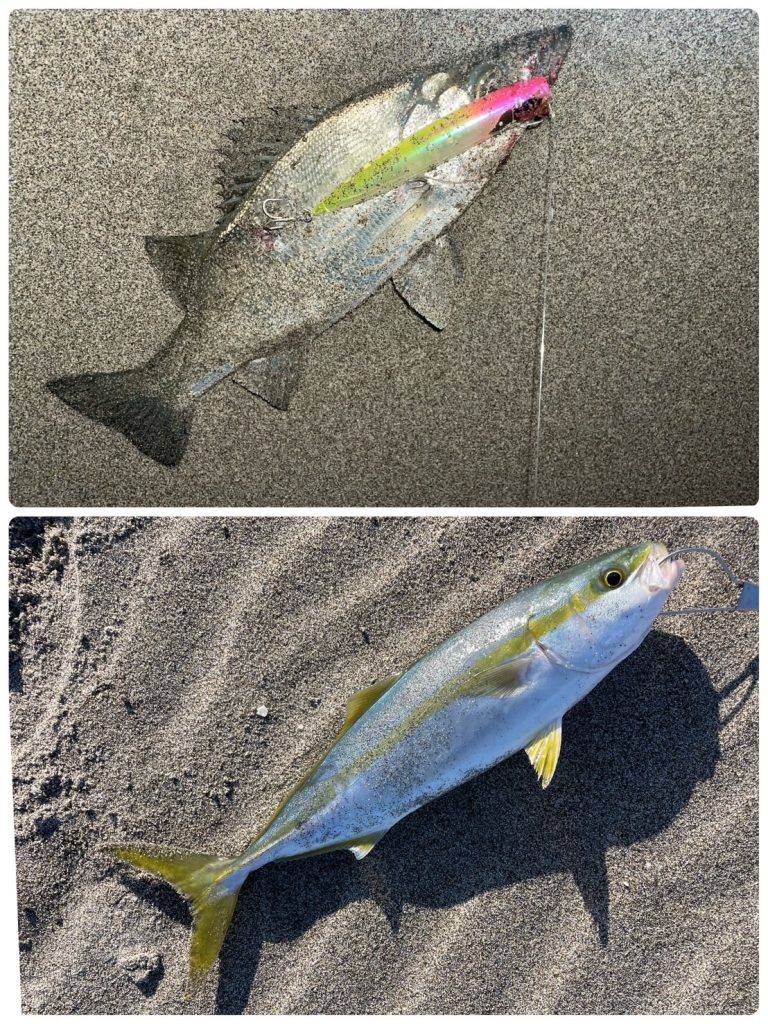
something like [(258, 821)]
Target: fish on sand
[(500, 685), (271, 275)]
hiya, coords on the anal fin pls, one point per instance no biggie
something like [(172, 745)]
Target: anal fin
[(362, 847), (544, 751)]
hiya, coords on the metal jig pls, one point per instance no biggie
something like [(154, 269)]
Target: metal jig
[(277, 223), (748, 598)]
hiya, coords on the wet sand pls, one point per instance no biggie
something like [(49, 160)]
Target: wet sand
[(141, 651), (650, 386)]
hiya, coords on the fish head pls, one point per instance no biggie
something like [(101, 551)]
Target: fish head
[(538, 55), (606, 607)]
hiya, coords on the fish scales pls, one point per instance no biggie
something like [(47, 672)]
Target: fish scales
[(338, 146)]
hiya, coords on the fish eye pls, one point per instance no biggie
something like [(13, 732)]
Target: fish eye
[(613, 578), (484, 79)]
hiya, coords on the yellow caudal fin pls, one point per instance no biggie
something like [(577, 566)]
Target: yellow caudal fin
[(207, 883)]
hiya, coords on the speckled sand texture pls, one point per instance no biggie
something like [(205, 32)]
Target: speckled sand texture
[(650, 388), (142, 651)]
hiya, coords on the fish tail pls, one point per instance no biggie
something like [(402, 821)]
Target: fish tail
[(155, 421), (210, 883)]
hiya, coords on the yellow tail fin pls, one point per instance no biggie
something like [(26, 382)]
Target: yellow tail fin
[(203, 880)]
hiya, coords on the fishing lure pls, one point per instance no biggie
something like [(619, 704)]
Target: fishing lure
[(500, 685), (442, 140)]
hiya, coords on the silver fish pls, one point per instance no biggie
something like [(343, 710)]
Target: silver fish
[(270, 276), (501, 684)]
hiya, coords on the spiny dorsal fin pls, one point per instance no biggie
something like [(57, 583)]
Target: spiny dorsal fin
[(176, 259), (254, 145), (362, 847), (502, 680), (544, 752)]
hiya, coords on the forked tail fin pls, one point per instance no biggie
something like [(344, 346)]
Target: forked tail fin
[(207, 882), (155, 422)]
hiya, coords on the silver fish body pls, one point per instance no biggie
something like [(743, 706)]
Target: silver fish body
[(270, 276), (431, 731), (499, 685)]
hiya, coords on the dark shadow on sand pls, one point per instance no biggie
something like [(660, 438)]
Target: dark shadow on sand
[(633, 752)]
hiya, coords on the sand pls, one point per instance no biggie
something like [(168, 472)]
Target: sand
[(650, 386), (141, 651)]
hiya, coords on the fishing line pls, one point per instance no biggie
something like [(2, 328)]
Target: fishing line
[(538, 380), (748, 597)]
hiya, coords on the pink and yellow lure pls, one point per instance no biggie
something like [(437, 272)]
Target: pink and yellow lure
[(448, 137)]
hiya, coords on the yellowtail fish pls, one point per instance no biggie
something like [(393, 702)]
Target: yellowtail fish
[(442, 140), (500, 685)]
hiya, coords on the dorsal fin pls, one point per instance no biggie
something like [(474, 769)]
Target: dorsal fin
[(364, 699), (359, 703), (254, 145), (544, 751)]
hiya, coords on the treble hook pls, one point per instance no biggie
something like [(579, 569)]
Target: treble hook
[(278, 223), (748, 598), (549, 117)]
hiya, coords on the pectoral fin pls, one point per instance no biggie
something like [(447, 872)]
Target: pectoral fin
[(430, 281), (544, 752), (273, 378), (501, 680)]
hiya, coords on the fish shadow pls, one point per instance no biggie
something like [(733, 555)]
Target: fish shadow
[(633, 752)]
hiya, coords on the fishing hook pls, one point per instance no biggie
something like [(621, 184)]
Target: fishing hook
[(549, 117), (748, 598), (277, 223)]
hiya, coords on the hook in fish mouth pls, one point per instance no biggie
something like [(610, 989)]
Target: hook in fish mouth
[(749, 592), (661, 570)]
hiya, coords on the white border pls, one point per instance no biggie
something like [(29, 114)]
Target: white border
[(8, 931)]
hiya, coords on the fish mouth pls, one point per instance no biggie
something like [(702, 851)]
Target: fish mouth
[(659, 572)]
